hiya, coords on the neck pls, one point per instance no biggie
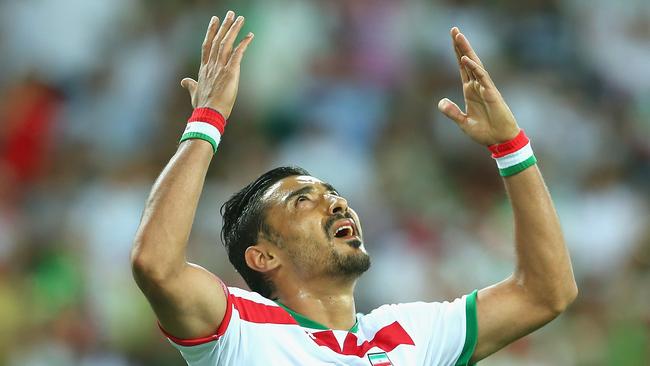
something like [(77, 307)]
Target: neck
[(328, 303)]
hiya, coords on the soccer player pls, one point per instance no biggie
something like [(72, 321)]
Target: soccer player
[(299, 247)]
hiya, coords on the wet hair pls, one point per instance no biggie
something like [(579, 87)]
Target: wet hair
[(244, 221)]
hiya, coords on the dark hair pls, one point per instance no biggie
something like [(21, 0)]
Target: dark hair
[(243, 221)]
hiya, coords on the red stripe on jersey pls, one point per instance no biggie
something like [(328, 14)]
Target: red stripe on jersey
[(255, 312), (326, 338), (386, 339), (249, 310), (226, 317)]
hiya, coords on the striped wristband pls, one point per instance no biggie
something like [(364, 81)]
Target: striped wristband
[(513, 156), (205, 124)]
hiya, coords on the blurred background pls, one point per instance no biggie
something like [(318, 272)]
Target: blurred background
[(91, 110)]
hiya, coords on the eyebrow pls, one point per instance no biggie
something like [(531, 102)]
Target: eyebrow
[(309, 189), (303, 190), (330, 188)]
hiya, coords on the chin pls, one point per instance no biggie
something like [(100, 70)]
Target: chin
[(352, 264)]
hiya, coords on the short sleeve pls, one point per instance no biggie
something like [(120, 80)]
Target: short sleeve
[(445, 333), (209, 350), (471, 330)]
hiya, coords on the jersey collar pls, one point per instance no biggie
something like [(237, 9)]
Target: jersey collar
[(305, 322)]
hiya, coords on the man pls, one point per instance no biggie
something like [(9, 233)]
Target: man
[(300, 248)]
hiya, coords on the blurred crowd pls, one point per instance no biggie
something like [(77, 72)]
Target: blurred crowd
[(91, 109)]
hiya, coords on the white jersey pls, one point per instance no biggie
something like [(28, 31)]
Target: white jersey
[(257, 331)]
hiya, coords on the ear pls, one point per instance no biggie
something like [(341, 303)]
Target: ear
[(261, 258)]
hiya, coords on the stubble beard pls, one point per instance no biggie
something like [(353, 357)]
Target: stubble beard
[(333, 264), (350, 265)]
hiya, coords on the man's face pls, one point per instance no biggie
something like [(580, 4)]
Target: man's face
[(318, 233)]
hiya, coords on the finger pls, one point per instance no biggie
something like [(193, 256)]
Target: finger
[(225, 48), (451, 110), (189, 84), (479, 72), (463, 72), (471, 74), (466, 49), (225, 26), (209, 35), (238, 53)]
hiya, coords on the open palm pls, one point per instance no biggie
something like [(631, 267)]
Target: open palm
[(218, 79), (487, 119)]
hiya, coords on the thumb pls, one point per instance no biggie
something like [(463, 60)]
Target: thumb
[(451, 110), (189, 84)]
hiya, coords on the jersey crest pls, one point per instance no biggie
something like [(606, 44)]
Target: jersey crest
[(379, 359)]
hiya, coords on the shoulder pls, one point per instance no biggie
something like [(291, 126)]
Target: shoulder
[(413, 308), (245, 295), (425, 315), (254, 308), (447, 330)]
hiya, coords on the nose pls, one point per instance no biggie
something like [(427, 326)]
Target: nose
[(337, 205)]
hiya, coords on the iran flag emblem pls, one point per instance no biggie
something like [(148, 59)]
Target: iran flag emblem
[(379, 359)]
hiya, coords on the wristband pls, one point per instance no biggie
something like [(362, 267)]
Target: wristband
[(205, 124), (513, 156)]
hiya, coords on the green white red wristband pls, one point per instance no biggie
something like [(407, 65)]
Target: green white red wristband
[(205, 124), (513, 156)]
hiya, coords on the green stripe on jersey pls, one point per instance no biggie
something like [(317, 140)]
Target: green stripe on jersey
[(471, 330)]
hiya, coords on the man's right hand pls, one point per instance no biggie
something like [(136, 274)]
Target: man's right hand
[(218, 79)]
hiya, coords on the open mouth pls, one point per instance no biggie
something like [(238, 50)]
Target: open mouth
[(344, 229)]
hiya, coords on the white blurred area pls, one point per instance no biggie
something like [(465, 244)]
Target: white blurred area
[(91, 109)]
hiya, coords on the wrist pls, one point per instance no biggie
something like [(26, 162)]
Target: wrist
[(205, 124), (513, 156), (221, 109), (511, 135), (196, 145)]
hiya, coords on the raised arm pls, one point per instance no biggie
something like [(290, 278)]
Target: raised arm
[(187, 299), (542, 285)]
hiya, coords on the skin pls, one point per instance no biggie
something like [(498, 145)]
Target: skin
[(305, 265), (158, 256), (303, 260), (542, 285)]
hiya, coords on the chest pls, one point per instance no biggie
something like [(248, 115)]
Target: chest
[(299, 346)]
